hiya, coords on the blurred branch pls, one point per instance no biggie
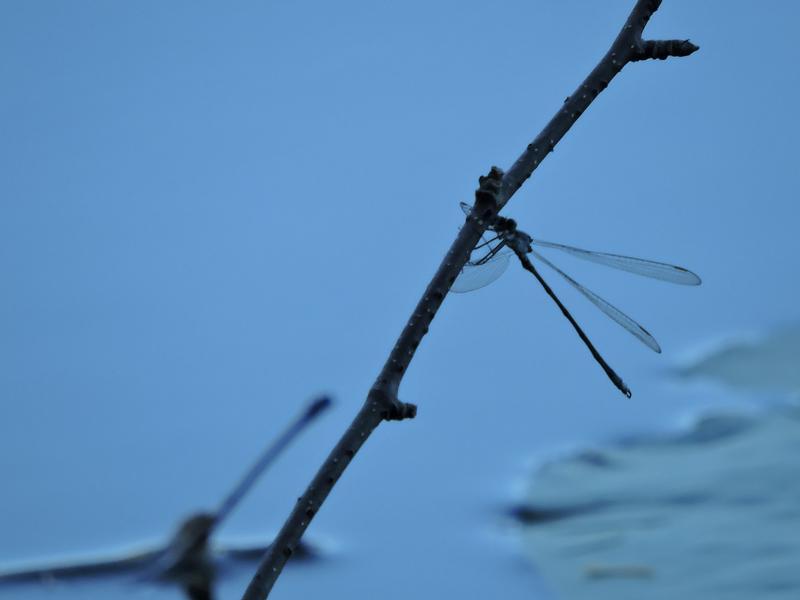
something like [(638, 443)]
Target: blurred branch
[(495, 191), (314, 409)]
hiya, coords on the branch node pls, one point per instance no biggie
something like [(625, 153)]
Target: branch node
[(399, 411), (391, 408), (488, 196), (489, 188)]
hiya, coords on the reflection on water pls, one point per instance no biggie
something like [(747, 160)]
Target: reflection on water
[(767, 362), (694, 516), (710, 512), (707, 512)]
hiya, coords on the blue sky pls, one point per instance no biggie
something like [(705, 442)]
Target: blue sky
[(209, 213)]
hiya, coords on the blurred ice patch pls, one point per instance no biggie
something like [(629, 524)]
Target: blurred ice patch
[(712, 512), (769, 362)]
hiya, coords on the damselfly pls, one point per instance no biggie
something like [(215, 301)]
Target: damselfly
[(492, 260)]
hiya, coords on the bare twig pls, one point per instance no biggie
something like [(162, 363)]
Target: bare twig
[(495, 191)]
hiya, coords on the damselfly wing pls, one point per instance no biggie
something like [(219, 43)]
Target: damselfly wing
[(490, 259), (476, 275), (486, 263)]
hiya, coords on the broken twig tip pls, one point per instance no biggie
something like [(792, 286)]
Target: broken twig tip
[(401, 411), (317, 406), (663, 49)]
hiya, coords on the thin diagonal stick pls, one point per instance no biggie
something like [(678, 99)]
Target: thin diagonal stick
[(382, 402)]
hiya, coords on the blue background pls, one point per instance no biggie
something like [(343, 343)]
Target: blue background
[(210, 212)]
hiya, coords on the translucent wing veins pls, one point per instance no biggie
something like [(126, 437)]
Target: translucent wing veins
[(609, 309), (638, 266)]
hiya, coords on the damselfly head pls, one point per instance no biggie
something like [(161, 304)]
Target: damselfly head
[(518, 241)]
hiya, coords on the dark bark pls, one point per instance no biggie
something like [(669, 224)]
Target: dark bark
[(496, 189)]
